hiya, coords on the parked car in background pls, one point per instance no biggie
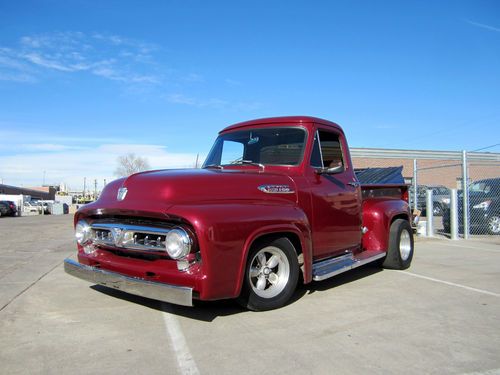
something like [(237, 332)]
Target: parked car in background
[(440, 198), (8, 208), (484, 207), (28, 207), (3, 209), (46, 206)]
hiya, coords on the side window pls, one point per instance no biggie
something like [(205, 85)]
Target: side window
[(327, 152)]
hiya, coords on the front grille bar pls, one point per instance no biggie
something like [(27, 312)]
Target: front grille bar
[(126, 236)]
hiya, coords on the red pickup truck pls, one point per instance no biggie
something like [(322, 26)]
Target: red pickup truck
[(277, 202)]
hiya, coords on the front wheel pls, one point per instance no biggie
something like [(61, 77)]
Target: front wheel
[(494, 225), (400, 252), (271, 275)]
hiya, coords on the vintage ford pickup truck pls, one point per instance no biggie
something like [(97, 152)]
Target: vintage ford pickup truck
[(277, 202)]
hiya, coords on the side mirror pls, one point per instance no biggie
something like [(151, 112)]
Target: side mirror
[(334, 170)]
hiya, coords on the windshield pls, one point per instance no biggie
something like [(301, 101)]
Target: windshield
[(269, 146), (484, 187)]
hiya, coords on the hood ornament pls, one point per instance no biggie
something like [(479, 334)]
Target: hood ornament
[(276, 189), (122, 193)]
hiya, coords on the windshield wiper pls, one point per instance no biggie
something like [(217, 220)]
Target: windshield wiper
[(215, 166), (249, 162)]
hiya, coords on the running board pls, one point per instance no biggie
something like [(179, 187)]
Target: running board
[(333, 266)]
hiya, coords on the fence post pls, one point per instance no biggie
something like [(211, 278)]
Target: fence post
[(429, 214), (415, 170), (453, 215), (465, 191)]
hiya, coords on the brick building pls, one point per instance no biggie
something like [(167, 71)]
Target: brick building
[(42, 193), (433, 167)]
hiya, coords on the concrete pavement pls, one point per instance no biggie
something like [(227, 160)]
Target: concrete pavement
[(442, 316)]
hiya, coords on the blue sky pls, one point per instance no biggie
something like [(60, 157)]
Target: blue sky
[(82, 82)]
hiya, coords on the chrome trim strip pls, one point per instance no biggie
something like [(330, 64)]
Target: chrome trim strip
[(134, 228), (139, 247), (346, 263), (178, 295)]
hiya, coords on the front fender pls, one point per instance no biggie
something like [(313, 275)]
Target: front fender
[(226, 232)]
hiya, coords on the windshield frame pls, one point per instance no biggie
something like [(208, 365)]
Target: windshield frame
[(261, 127)]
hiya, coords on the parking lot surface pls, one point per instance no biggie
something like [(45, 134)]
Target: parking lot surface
[(441, 316)]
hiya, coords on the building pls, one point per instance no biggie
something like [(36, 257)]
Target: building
[(432, 167), (38, 193)]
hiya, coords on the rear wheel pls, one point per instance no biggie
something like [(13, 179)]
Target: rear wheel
[(494, 225), (271, 275), (400, 252)]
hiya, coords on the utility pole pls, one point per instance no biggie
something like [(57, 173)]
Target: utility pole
[(84, 187), (196, 163), (95, 189)]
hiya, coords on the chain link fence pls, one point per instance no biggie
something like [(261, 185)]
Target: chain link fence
[(439, 172)]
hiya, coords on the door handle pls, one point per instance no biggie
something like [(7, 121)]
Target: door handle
[(353, 184)]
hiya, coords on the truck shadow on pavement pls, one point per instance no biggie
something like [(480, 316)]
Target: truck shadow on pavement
[(208, 311), (341, 279)]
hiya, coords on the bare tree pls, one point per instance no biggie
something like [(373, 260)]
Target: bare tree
[(130, 164)]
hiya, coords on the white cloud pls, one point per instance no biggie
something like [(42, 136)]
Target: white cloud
[(7, 132), (71, 165), (214, 103), (111, 57), (107, 56), (47, 147), (181, 99), (483, 26), (187, 100), (17, 77), (45, 62)]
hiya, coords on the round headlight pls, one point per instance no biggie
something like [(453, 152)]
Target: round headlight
[(83, 232), (177, 243)]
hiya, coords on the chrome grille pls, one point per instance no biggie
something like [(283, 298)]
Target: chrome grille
[(134, 237)]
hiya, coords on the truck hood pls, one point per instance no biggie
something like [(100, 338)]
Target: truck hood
[(159, 190)]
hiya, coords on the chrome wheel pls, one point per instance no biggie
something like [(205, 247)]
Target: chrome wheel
[(404, 245), (494, 225), (269, 272)]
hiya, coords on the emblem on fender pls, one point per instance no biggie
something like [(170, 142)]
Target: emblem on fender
[(276, 189), (122, 193)]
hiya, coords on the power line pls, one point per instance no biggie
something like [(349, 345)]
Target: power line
[(485, 148)]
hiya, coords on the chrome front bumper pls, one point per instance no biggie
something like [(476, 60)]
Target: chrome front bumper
[(178, 295)]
